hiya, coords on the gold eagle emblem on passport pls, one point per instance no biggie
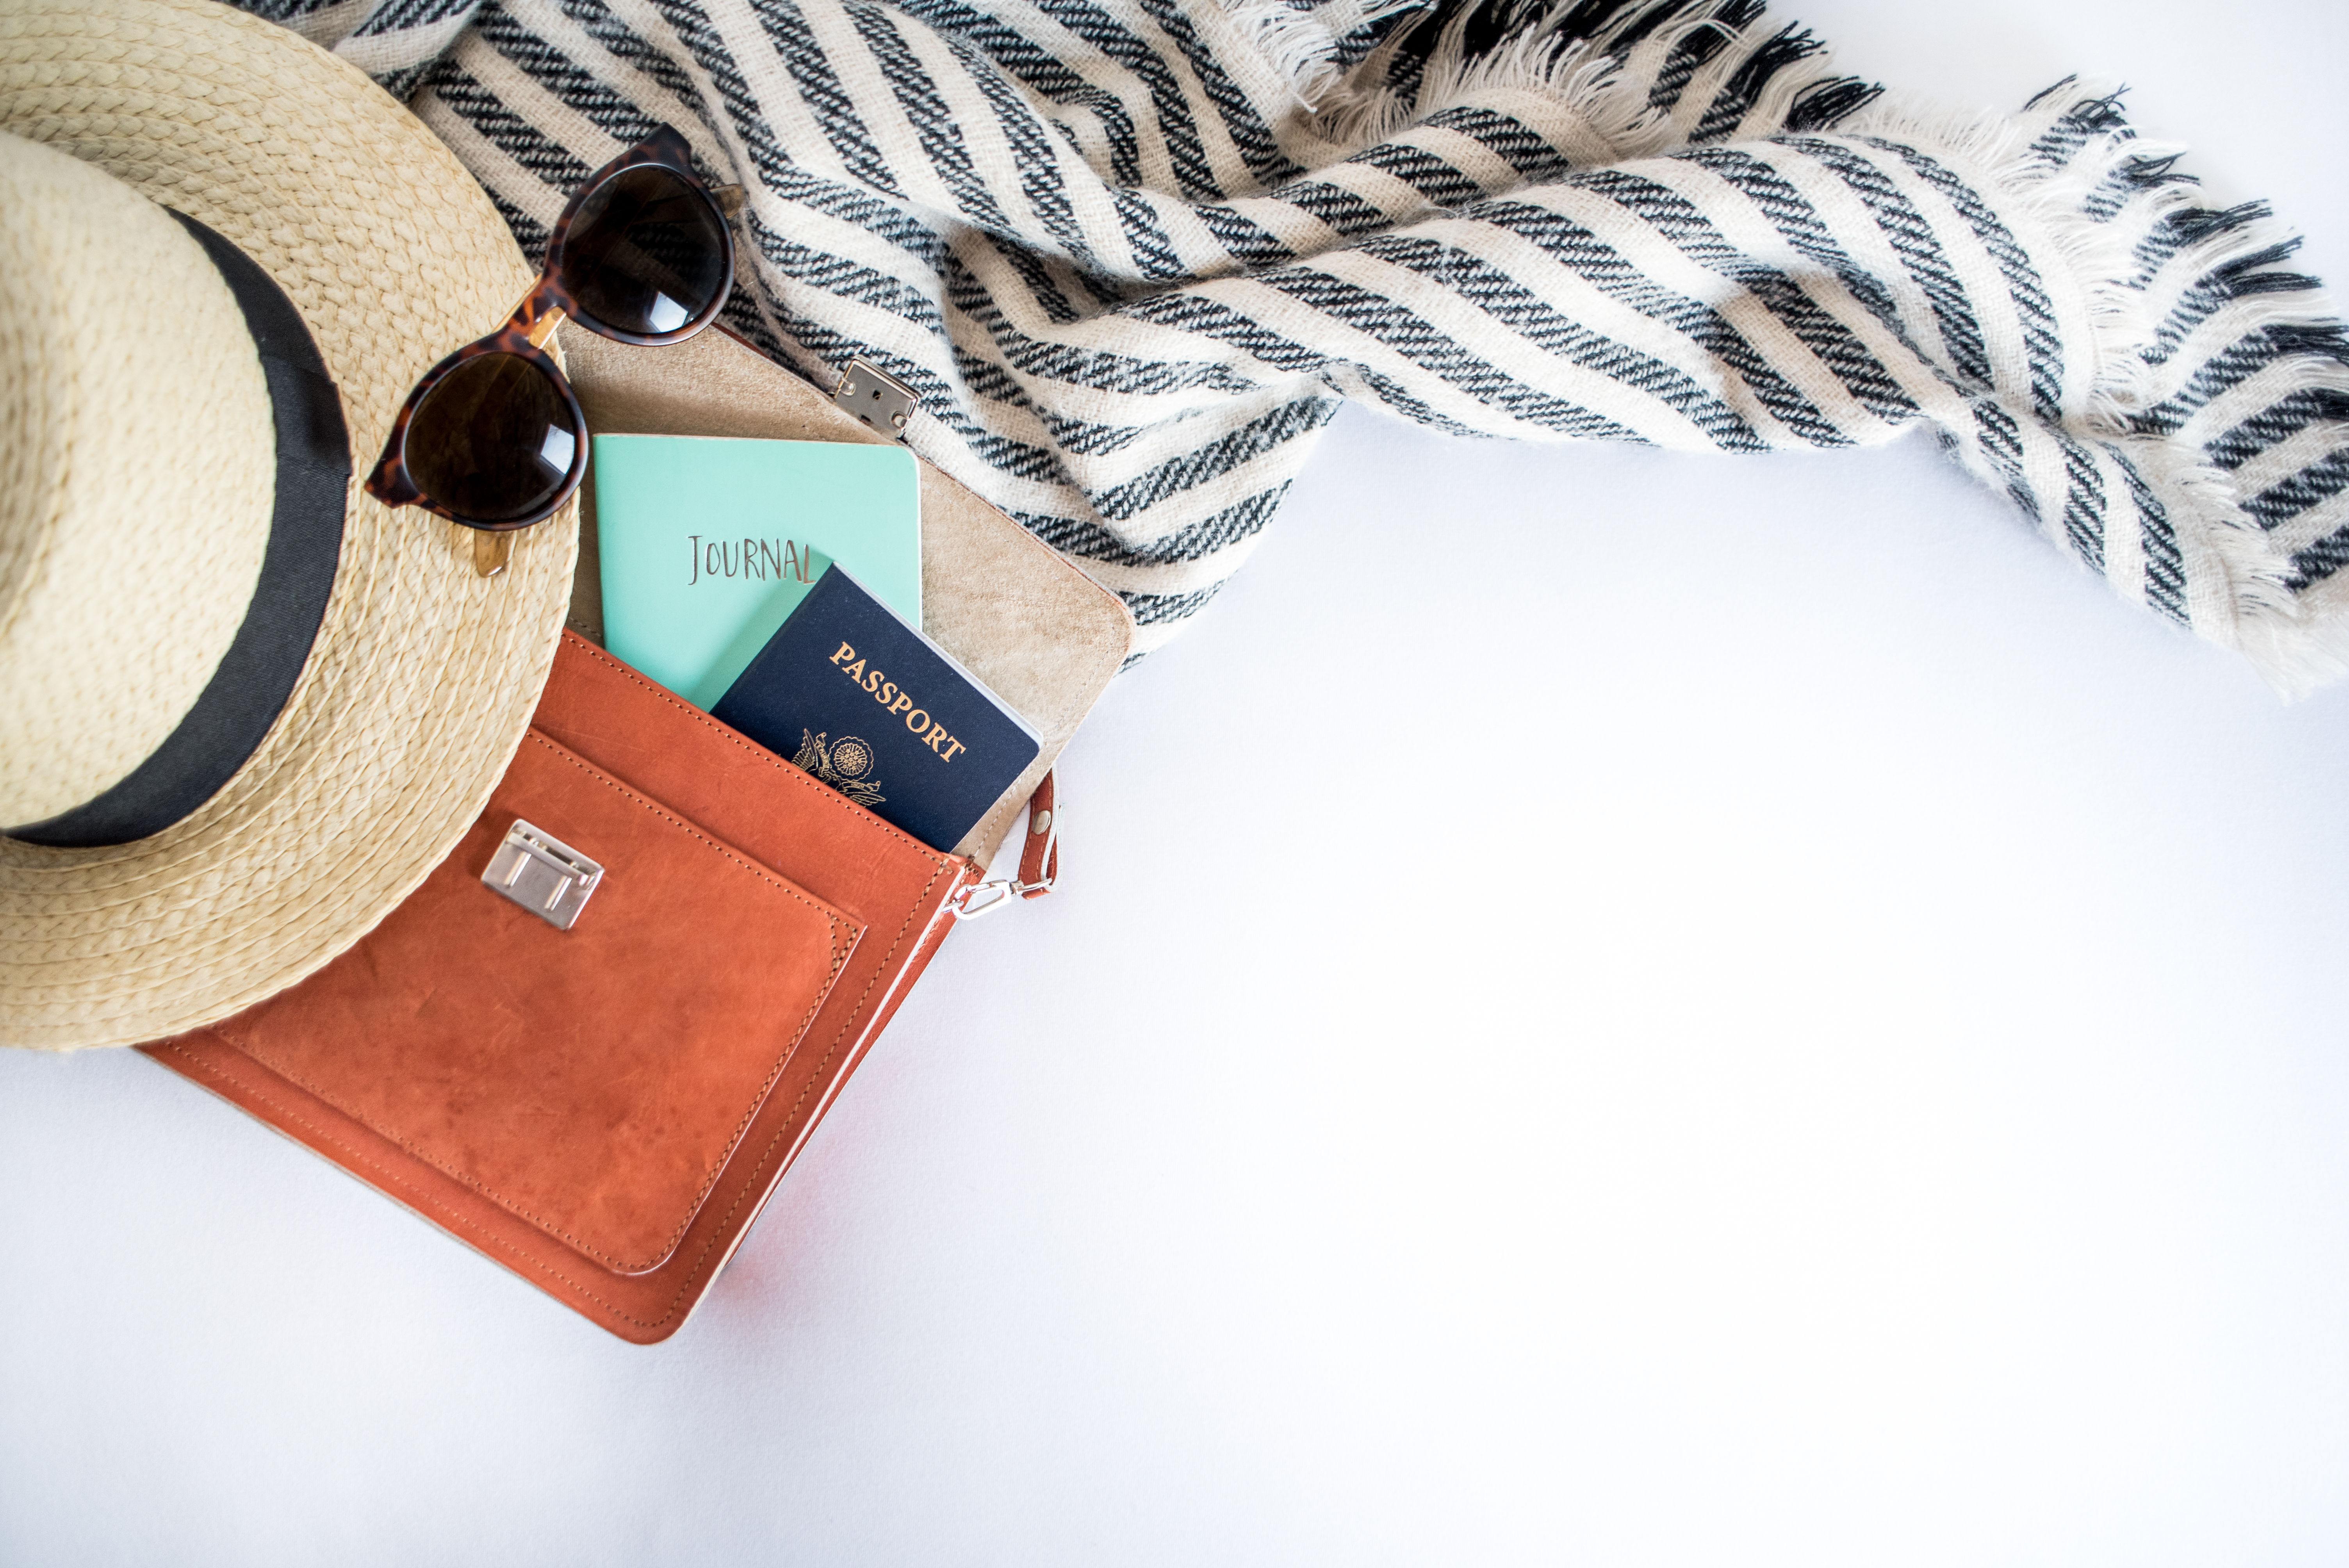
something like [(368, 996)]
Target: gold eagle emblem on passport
[(845, 764)]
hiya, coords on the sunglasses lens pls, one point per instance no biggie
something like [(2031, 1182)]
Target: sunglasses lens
[(494, 441), (646, 254)]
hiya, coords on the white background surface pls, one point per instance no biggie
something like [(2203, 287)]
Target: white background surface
[(1608, 1008)]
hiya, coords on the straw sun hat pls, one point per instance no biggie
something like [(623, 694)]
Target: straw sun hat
[(203, 800)]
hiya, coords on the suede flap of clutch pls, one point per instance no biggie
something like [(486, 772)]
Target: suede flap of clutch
[(593, 1082)]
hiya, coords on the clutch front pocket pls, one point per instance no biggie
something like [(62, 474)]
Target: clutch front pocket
[(593, 1080)]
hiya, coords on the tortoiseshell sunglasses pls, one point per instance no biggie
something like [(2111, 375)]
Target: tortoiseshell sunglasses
[(493, 436)]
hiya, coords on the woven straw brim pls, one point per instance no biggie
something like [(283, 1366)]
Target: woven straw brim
[(423, 676)]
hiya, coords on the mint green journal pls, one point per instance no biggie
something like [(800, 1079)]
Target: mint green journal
[(708, 544)]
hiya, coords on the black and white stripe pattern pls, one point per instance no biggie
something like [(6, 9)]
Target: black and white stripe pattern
[(1132, 252)]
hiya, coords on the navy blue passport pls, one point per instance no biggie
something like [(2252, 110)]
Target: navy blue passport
[(851, 694)]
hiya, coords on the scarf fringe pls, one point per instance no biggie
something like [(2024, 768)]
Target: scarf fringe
[(1610, 77), (2295, 647), (1301, 46)]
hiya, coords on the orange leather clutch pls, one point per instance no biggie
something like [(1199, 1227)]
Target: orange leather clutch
[(603, 1109)]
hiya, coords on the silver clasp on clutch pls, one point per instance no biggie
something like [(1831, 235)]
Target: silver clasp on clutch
[(878, 398), (541, 873)]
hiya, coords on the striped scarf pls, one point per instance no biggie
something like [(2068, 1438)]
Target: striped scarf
[(1131, 255)]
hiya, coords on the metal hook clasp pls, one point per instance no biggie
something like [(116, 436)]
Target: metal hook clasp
[(980, 898)]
